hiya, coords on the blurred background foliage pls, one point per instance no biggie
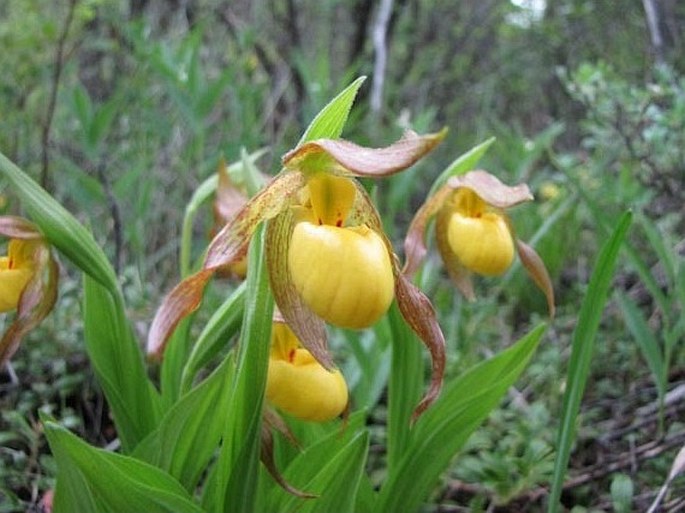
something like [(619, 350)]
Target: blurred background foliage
[(122, 108)]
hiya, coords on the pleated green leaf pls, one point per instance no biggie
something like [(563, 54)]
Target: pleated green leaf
[(111, 482), (189, 433), (444, 427), (118, 363), (582, 344), (330, 121), (332, 470)]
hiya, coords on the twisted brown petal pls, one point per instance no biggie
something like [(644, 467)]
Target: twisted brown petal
[(415, 242), (308, 328), (418, 311), (537, 271), (360, 161), (37, 299), (491, 189), (415, 307), (231, 242), (229, 197), (267, 457), (18, 228), (227, 247)]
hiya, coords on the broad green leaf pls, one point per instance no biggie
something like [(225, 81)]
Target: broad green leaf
[(114, 482), (462, 164), (645, 339), (444, 427), (60, 228), (233, 484), (189, 433), (118, 363), (582, 344), (329, 123), (333, 476)]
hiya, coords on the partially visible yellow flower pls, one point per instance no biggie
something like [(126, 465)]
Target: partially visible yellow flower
[(550, 191), (16, 269), (299, 385), (28, 281), (473, 232)]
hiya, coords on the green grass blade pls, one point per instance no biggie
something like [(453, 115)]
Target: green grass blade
[(330, 121), (645, 339), (115, 483), (581, 352), (118, 363), (446, 425), (658, 244)]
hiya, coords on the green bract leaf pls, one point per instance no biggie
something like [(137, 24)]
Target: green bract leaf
[(462, 164), (112, 482), (329, 123)]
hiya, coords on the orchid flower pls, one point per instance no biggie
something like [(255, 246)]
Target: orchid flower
[(328, 257), (299, 385), (474, 235), (28, 281)]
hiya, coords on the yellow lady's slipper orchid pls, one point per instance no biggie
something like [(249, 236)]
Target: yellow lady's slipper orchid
[(473, 232), (16, 269), (478, 234), (28, 281), (298, 384), (327, 255), (343, 273)]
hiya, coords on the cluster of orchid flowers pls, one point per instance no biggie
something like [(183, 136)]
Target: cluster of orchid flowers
[(330, 261)]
